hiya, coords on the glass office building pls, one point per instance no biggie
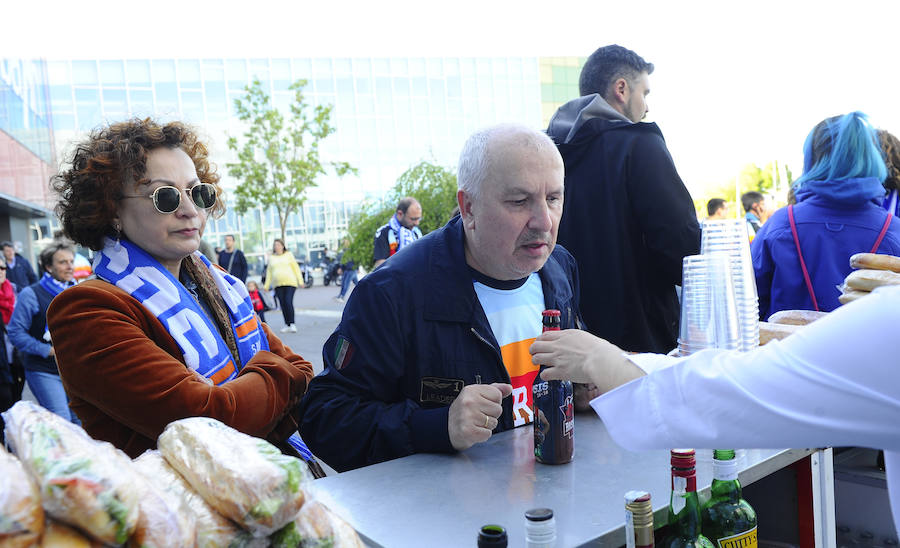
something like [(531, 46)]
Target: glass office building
[(26, 154), (389, 114)]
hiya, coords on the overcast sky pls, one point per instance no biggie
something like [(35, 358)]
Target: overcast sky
[(735, 82)]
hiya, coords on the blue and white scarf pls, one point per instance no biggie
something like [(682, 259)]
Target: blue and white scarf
[(54, 286), (405, 236), (131, 269)]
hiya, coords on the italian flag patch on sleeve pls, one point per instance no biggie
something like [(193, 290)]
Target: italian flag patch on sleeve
[(343, 353)]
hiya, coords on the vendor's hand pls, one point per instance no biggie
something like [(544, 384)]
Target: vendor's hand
[(583, 394), (475, 413), (580, 357)]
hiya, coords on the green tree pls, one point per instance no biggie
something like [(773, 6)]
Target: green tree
[(279, 156), (432, 185), (768, 180)]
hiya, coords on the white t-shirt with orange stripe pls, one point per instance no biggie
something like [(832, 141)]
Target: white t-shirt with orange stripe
[(515, 319)]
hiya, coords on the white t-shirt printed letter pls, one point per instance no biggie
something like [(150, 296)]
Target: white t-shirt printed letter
[(521, 411)]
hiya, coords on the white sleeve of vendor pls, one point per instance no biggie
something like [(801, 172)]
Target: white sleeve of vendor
[(832, 383)]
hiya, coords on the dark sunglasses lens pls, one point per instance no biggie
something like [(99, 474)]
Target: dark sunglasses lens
[(166, 199), (204, 195)]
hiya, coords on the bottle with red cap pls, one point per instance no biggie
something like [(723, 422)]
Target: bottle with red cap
[(684, 506), (554, 411)]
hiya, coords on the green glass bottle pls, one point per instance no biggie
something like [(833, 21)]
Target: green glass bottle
[(684, 506), (728, 519)]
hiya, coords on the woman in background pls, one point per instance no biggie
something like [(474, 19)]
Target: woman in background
[(890, 147), (284, 275), (803, 251)]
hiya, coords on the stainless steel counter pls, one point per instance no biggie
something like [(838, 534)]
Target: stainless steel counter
[(443, 500)]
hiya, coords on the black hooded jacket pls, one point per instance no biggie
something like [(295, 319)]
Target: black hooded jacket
[(627, 219)]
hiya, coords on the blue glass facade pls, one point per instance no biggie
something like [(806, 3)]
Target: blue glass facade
[(24, 106)]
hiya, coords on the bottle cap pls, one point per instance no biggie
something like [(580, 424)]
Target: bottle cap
[(683, 458), (492, 535), (723, 454), (550, 312), (636, 496), (539, 514)]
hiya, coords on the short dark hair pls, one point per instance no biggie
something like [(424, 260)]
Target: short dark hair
[(750, 199), (230, 236), (608, 64), (7, 244), (404, 203), (714, 205), (46, 256)]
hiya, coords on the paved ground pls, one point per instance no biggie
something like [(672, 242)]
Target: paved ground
[(316, 316)]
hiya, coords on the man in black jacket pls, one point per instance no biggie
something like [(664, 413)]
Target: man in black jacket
[(18, 269), (629, 220)]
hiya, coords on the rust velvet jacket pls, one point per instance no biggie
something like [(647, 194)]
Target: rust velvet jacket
[(126, 377)]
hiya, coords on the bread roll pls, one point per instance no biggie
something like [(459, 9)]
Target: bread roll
[(83, 482), (868, 280), (875, 261), (769, 332), (245, 479), (59, 535), (796, 317), (850, 295), (316, 525), (21, 514)]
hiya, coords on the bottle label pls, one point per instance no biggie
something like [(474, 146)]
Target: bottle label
[(747, 539), (629, 529), (725, 470), (679, 490), (568, 417)]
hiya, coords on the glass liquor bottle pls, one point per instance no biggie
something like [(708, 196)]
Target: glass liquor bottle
[(684, 506), (638, 520), (728, 520)]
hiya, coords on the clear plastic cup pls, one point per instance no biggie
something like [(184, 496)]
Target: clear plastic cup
[(708, 311), (730, 237)]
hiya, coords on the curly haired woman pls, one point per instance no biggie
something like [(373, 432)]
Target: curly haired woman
[(161, 334)]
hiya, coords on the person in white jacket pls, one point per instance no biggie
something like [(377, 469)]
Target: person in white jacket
[(833, 383)]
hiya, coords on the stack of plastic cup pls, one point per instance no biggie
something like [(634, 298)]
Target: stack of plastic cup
[(708, 311), (730, 237)]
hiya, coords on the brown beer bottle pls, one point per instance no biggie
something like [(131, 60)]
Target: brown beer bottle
[(554, 411)]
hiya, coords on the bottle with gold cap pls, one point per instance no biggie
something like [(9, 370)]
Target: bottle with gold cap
[(684, 506), (728, 520), (638, 520)]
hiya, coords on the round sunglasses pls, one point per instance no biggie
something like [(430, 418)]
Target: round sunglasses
[(166, 199)]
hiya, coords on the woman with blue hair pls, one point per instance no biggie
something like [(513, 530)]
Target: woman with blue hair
[(803, 252)]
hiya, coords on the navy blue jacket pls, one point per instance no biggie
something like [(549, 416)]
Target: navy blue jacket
[(628, 220), (21, 275), (412, 335)]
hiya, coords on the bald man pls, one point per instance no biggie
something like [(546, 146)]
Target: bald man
[(431, 354)]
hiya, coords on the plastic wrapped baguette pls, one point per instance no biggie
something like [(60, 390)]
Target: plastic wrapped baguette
[(82, 482), (213, 529), (165, 520), (245, 479), (316, 526), (21, 514)]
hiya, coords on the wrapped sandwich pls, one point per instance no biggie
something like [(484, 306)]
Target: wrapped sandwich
[(165, 520), (82, 482), (316, 527), (21, 514), (213, 530), (245, 479)]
